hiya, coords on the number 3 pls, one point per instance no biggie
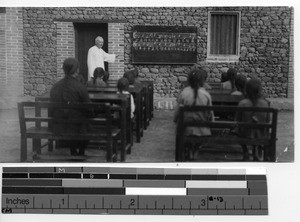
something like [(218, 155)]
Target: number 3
[(203, 202)]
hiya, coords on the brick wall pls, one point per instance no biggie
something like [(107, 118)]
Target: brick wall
[(290, 90), (65, 45), (11, 57), (116, 46), (3, 77)]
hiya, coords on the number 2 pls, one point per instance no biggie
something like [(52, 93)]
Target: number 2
[(132, 201)]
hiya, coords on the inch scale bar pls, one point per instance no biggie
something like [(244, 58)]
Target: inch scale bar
[(170, 191), (135, 204)]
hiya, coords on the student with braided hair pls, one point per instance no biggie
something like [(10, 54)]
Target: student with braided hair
[(195, 95), (97, 79), (253, 98), (230, 83)]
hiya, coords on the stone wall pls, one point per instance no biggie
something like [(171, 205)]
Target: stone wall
[(11, 57), (264, 44)]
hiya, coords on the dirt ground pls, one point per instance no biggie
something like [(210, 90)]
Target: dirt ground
[(157, 144)]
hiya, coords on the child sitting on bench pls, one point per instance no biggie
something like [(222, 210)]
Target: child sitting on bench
[(253, 98), (97, 80), (123, 86), (230, 83), (195, 95), (240, 83)]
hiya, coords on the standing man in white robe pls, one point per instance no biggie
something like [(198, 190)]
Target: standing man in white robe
[(97, 56)]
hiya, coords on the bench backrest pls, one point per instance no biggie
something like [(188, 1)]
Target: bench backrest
[(44, 114), (183, 110), (213, 85)]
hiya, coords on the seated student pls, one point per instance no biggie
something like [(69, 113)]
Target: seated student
[(97, 80), (206, 85), (136, 75), (240, 83), (70, 90), (106, 77), (123, 85), (230, 83), (224, 77), (195, 95), (130, 76), (254, 98)]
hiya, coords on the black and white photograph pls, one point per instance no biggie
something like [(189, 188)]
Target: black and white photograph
[(147, 84), (141, 111)]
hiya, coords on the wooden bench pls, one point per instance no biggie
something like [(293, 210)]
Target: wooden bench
[(38, 124), (225, 140), (119, 103), (139, 98)]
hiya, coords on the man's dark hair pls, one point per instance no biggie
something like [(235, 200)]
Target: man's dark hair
[(70, 66), (130, 75)]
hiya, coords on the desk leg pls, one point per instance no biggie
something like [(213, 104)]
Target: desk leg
[(129, 131), (151, 102), (139, 127)]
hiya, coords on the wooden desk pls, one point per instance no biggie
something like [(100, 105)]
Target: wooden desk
[(148, 85), (102, 89), (225, 99), (123, 102), (138, 95)]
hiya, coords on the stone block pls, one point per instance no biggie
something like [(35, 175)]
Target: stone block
[(153, 70), (145, 70), (182, 78), (181, 70)]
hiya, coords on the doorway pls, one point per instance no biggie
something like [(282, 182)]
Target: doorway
[(85, 34)]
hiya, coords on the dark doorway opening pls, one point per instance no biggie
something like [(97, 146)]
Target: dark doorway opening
[(85, 34)]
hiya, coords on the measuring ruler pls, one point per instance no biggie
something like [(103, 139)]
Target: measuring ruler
[(141, 191)]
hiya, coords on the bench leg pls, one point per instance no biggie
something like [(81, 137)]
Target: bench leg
[(138, 132), (245, 153), (271, 153), (109, 149), (123, 148), (179, 152), (50, 145), (23, 149), (114, 150), (36, 145)]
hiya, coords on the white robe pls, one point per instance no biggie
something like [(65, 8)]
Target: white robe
[(96, 58)]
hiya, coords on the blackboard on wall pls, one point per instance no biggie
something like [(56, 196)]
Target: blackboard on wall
[(164, 45)]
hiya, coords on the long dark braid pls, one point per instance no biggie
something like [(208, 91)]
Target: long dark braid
[(196, 80), (231, 74)]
